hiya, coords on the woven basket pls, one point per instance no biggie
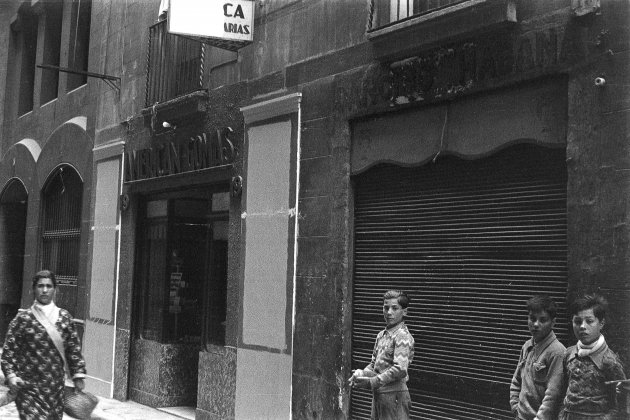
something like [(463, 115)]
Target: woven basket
[(79, 404)]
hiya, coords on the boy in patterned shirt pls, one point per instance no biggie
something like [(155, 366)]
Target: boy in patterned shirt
[(387, 373), (591, 368)]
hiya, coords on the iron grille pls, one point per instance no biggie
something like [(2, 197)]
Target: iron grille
[(174, 65), (61, 232), (386, 12)]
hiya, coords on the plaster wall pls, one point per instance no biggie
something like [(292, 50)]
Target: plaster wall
[(266, 248), (97, 349), (263, 385), (99, 334), (105, 231)]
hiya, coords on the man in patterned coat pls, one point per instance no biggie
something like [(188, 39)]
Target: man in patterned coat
[(40, 346)]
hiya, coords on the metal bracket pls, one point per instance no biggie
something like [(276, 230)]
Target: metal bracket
[(112, 81)]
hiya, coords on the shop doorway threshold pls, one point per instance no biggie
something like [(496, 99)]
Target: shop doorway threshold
[(183, 412)]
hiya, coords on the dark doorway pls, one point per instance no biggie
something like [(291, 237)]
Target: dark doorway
[(181, 284), (13, 204)]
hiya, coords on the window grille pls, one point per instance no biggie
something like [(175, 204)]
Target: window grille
[(175, 65), (61, 231)]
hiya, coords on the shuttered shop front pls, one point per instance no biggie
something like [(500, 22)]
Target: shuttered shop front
[(470, 240)]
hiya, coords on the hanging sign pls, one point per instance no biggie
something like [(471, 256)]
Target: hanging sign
[(198, 152), (227, 24)]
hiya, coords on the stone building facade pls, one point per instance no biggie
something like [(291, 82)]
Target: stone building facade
[(241, 230)]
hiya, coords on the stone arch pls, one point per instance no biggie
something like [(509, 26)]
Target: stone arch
[(68, 144), (19, 162), (68, 147)]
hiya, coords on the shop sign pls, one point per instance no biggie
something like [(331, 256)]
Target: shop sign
[(209, 21), (195, 153), (460, 67)]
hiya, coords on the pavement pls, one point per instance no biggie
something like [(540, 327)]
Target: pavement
[(109, 409)]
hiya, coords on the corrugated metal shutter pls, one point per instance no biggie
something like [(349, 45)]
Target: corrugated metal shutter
[(470, 241)]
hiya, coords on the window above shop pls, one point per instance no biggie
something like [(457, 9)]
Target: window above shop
[(398, 28), (175, 65)]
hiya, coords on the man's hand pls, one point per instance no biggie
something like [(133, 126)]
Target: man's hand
[(15, 383), (79, 384)]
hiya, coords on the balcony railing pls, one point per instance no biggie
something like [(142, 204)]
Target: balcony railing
[(175, 65), (386, 12)]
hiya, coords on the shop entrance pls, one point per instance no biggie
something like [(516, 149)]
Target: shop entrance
[(13, 204), (181, 284)]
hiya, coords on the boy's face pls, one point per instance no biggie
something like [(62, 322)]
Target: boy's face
[(540, 324), (586, 326), (393, 312)]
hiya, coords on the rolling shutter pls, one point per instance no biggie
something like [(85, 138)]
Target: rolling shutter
[(470, 241)]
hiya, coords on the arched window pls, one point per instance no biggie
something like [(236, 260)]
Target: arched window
[(61, 232)]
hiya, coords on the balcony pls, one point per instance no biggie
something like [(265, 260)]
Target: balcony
[(387, 12), (175, 65), (401, 28)]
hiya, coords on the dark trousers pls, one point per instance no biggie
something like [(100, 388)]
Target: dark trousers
[(391, 406)]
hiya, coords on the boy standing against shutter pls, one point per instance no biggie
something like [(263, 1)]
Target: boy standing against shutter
[(387, 373), (536, 390)]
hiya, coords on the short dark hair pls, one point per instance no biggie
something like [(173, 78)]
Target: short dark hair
[(542, 303), (403, 299), (594, 301), (44, 274)]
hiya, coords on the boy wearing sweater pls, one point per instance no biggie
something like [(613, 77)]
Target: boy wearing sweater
[(536, 388), (387, 373), (591, 368)]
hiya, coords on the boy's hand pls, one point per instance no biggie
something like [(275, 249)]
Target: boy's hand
[(355, 373)]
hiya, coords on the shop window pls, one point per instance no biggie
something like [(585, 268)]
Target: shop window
[(52, 49), (79, 41), (183, 268), (61, 232)]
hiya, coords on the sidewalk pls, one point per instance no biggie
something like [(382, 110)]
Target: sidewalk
[(108, 409)]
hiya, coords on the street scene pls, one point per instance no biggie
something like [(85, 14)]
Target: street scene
[(315, 209)]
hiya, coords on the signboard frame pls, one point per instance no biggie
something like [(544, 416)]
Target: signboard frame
[(226, 24)]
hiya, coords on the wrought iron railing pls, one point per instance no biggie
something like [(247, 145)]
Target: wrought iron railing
[(386, 12), (174, 65)]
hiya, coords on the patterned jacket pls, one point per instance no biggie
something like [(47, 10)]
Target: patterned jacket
[(586, 391), (392, 355)]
